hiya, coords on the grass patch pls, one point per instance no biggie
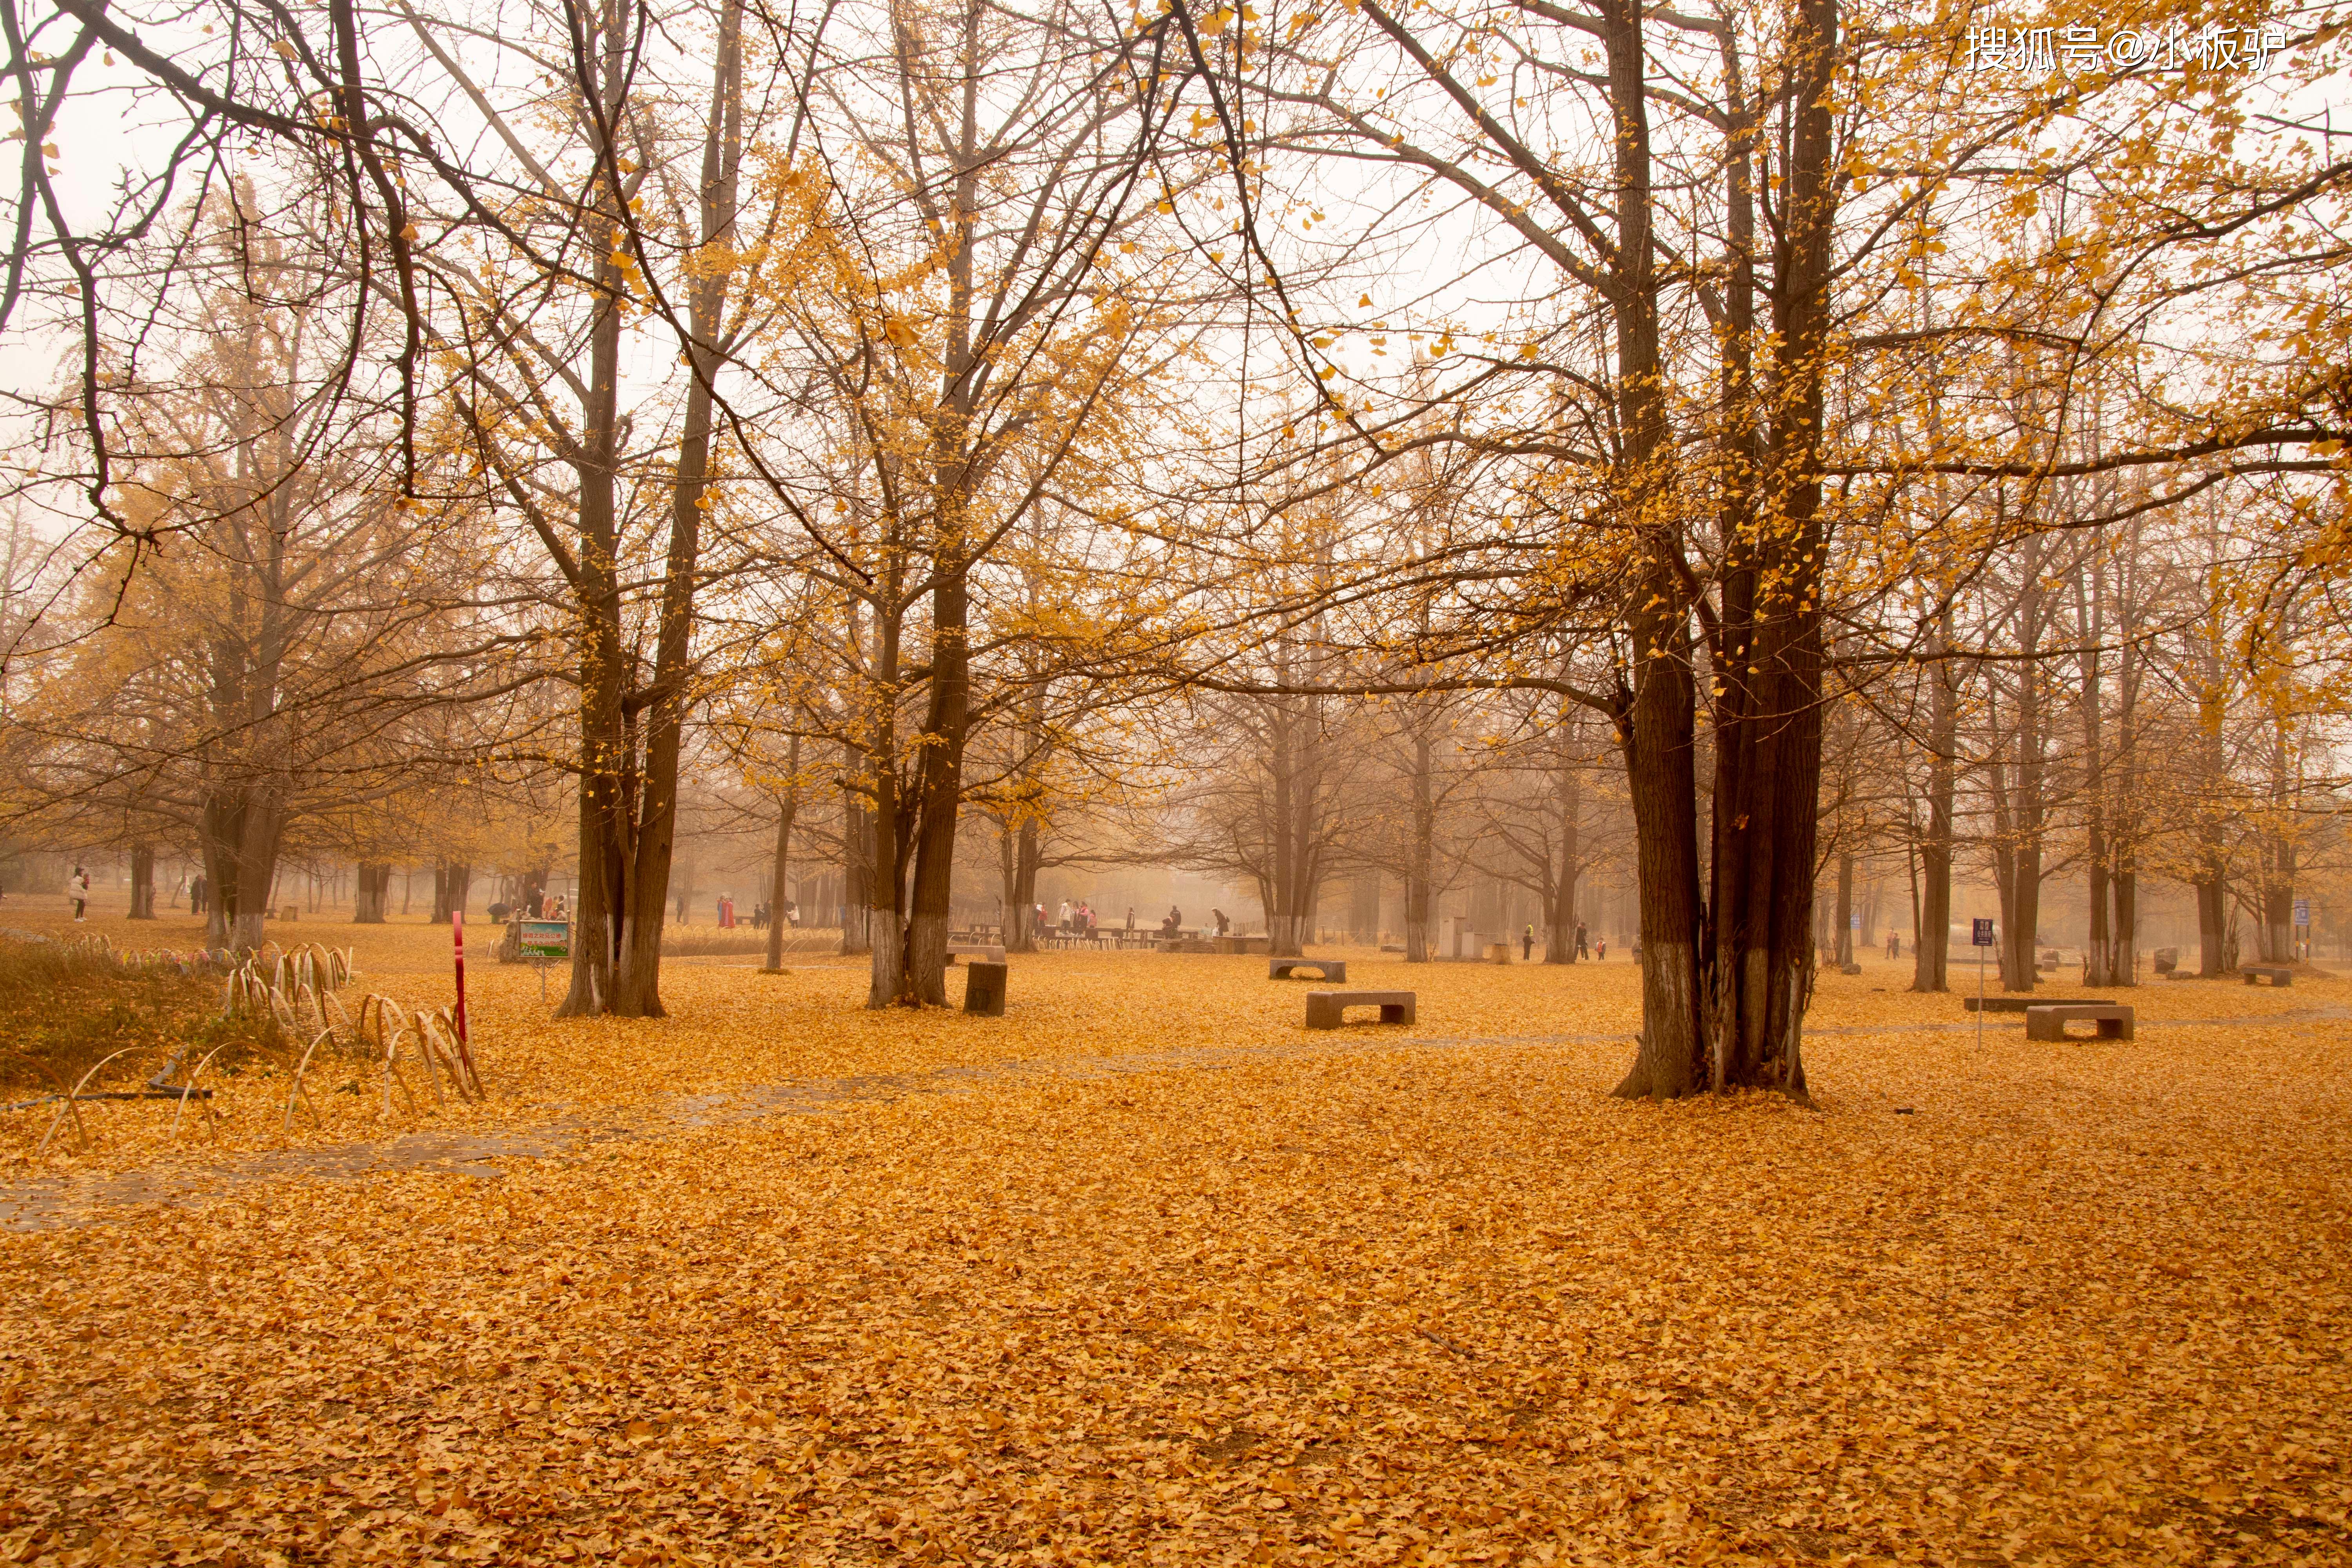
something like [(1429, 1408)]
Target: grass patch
[(64, 1009)]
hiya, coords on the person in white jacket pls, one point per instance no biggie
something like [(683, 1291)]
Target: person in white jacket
[(78, 890)]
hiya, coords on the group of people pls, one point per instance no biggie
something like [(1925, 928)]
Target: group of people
[(1073, 920), (536, 904), (761, 914)]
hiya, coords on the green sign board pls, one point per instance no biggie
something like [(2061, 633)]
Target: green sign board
[(545, 939)]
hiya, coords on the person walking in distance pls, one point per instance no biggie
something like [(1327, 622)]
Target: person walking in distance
[(78, 891), (1528, 943), (1583, 948)]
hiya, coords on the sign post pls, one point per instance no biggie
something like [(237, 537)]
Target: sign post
[(540, 941), (1981, 936)]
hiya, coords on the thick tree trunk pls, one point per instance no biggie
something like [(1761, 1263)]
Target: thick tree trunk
[(142, 881), (240, 837), (453, 884), (1655, 711), (374, 891), (1726, 984), (1656, 731)]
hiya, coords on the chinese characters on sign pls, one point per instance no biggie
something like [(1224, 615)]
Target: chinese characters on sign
[(2029, 51)]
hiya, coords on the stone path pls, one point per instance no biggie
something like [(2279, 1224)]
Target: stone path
[(52, 1202)]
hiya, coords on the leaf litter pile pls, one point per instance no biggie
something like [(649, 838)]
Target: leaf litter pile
[(1356, 1300)]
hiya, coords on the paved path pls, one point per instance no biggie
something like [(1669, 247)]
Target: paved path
[(52, 1202)]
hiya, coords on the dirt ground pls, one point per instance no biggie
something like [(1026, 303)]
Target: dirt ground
[(1146, 1272)]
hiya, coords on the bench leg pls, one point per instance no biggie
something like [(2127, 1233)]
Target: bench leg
[(1320, 1014)]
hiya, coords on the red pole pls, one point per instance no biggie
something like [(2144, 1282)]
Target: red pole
[(457, 951)]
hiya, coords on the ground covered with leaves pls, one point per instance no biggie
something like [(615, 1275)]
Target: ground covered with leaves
[(1219, 1290)]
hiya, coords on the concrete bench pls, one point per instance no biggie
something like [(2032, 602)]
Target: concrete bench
[(1334, 970), (2111, 1021), (2021, 1004), (2256, 972), (1323, 1008), (980, 951)]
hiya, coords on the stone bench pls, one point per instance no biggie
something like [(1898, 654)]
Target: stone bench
[(2256, 972), (1334, 970), (1323, 1008), (980, 951), (2112, 1021), (2021, 1004)]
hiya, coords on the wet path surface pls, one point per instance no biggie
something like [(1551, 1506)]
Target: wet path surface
[(54, 1202)]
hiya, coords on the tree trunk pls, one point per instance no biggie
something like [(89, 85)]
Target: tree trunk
[(1843, 933), (1559, 937), (1734, 1018), (2019, 807), (1654, 713), (373, 892), (453, 883), (857, 872), (778, 875), (1932, 934), (240, 838), (946, 728), (636, 984), (1019, 931), (608, 748), (142, 881), (1420, 854)]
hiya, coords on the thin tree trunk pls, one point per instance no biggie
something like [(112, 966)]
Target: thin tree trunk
[(856, 870), (1931, 939), (1421, 853), (1559, 939), (1844, 935), (778, 875)]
